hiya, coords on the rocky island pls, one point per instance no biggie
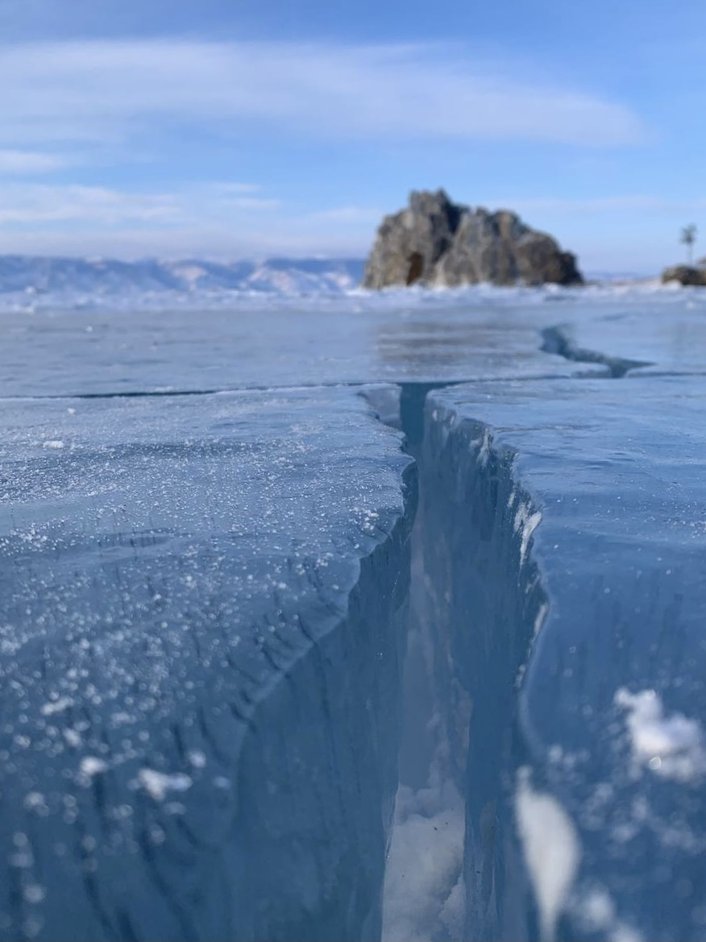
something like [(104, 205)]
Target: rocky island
[(688, 275), (438, 243)]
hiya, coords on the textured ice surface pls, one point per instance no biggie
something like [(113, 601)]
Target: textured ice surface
[(200, 608), (357, 340), (603, 706), (665, 333), (203, 619), (423, 337)]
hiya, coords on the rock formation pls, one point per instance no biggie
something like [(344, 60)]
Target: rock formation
[(685, 275), (438, 243)]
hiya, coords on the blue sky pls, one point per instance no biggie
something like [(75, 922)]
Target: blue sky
[(233, 128)]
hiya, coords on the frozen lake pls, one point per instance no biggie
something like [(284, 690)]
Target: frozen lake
[(355, 617)]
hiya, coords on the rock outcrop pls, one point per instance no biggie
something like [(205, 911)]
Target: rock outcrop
[(438, 243), (685, 275)]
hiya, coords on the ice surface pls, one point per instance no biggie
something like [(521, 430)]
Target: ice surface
[(421, 337), (609, 697), (183, 589), (664, 333), (204, 590), (294, 343)]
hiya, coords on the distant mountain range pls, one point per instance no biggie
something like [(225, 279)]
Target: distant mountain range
[(22, 274), (28, 281)]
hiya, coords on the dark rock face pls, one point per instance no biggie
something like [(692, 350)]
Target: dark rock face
[(685, 275), (438, 243)]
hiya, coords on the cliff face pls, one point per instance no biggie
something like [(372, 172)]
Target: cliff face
[(439, 243)]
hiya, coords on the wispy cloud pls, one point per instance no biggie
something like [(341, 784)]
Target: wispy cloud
[(347, 215), (207, 240), (600, 205), (604, 204), (80, 111), (30, 163), (207, 220), (111, 90), (219, 219), (30, 204)]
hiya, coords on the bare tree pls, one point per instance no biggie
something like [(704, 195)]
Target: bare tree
[(687, 238)]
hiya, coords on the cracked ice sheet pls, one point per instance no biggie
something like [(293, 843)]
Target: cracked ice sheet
[(617, 669), (158, 571), (350, 340), (667, 333)]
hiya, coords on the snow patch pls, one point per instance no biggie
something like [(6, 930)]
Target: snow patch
[(197, 758), (158, 784), (596, 913), (670, 746), (424, 895), (551, 848), (91, 766), (56, 706), (526, 522)]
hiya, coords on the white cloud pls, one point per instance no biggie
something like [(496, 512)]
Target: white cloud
[(218, 219), (29, 163), (348, 215), (100, 91), (640, 203), (23, 204), (189, 241), (108, 102)]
